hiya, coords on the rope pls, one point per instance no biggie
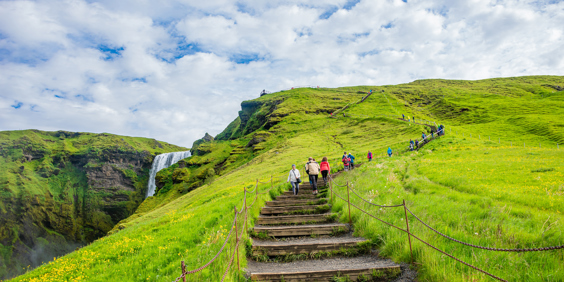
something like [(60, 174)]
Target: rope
[(216, 255), (369, 213), (383, 206), (453, 257), (332, 180), (234, 251), (401, 229), (487, 248), (250, 206), (250, 191)]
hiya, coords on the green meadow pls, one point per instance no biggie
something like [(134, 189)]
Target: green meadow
[(478, 183)]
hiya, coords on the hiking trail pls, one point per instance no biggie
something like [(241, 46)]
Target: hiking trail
[(297, 238)]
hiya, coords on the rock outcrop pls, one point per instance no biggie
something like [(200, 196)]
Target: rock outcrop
[(61, 190)]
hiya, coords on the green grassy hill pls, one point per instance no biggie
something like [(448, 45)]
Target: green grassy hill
[(60, 190), (478, 183)]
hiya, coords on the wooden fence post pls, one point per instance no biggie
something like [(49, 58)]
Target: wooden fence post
[(408, 235), (183, 271), (237, 240), (349, 202), (331, 187)]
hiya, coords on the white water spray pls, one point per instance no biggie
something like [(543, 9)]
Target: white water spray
[(163, 161)]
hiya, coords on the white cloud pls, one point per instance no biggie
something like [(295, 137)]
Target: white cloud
[(173, 70)]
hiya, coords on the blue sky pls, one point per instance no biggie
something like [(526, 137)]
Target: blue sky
[(174, 70)]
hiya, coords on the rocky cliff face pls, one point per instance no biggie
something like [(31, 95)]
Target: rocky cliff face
[(59, 191)]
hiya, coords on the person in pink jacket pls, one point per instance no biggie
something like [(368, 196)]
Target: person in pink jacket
[(325, 169), (369, 156)]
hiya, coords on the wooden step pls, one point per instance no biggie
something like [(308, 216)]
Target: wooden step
[(306, 184), (382, 273), (371, 266), (302, 230), (309, 188), (296, 219), (298, 197), (289, 202), (289, 248), (301, 192), (288, 209)]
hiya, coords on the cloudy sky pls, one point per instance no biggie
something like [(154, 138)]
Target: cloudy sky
[(173, 70)]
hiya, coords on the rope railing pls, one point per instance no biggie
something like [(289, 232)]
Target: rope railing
[(244, 209), (486, 248), (406, 209), (370, 203), (184, 273)]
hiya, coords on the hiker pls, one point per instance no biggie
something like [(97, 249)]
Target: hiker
[(351, 161), (325, 169), (313, 171), (432, 135), (389, 152), (416, 144), (369, 156), (346, 160), (306, 166), (413, 119), (403, 116), (294, 179), (423, 136), (411, 144)]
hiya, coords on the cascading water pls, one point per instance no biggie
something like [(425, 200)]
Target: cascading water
[(163, 161)]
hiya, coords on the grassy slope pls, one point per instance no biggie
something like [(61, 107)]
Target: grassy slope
[(191, 227)]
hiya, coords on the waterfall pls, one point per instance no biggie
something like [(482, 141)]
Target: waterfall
[(163, 161)]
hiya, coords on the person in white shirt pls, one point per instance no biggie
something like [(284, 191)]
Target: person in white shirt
[(294, 179)]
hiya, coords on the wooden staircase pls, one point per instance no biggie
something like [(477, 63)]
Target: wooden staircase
[(295, 227)]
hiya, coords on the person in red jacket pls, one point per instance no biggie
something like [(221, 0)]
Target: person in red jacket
[(325, 169), (369, 156)]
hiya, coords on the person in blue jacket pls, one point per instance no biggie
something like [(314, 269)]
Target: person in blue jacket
[(389, 152), (352, 160)]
